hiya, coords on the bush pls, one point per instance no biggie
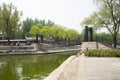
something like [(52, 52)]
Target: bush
[(102, 53)]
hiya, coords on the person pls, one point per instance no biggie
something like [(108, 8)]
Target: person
[(18, 43)]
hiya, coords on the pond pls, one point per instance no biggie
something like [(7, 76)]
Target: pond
[(30, 67)]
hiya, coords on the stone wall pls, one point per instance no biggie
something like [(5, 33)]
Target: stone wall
[(94, 45), (16, 47)]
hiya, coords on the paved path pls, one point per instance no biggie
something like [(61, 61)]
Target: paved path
[(85, 68), (102, 68)]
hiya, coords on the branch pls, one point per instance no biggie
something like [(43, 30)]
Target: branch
[(109, 29), (118, 28)]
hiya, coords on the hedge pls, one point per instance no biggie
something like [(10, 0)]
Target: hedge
[(102, 53)]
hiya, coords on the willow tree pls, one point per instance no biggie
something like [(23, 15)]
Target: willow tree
[(60, 33), (45, 31), (35, 31), (9, 20), (57, 32), (107, 16), (72, 34)]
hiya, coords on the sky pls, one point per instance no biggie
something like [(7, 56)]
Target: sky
[(68, 13)]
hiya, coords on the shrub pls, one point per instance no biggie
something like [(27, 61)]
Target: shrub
[(102, 53)]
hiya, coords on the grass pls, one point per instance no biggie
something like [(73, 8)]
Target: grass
[(102, 53)]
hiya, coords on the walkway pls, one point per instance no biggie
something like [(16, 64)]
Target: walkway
[(85, 68)]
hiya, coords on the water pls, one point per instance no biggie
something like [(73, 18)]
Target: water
[(30, 67)]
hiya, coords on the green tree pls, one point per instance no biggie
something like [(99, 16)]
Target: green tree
[(29, 22), (26, 26), (9, 20), (72, 34), (108, 16), (103, 37), (49, 23), (57, 32), (34, 30), (45, 31)]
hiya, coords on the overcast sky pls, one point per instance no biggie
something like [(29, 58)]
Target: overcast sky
[(68, 13)]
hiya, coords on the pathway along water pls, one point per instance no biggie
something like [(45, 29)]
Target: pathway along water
[(28, 67)]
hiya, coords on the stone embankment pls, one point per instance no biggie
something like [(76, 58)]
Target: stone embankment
[(87, 68), (36, 49), (6, 50), (68, 70)]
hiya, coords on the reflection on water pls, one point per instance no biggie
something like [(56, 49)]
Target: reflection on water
[(29, 67)]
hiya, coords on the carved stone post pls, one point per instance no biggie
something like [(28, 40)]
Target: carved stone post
[(91, 33), (86, 34)]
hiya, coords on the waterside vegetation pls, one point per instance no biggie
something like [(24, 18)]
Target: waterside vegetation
[(102, 53)]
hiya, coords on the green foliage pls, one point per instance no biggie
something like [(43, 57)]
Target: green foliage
[(9, 20), (61, 32), (72, 34), (39, 25), (118, 38), (102, 53), (49, 23), (90, 20), (57, 31), (107, 16), (34, 30), (103, 37), (45, 31), (18, 34), (28, 23)]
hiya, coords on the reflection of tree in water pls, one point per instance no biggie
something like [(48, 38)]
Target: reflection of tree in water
[(40, 66), (8, 71), (29, 66)]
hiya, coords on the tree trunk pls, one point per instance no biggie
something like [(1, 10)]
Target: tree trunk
[(115, 41), (36, 38), (42, 37), (8, 39)]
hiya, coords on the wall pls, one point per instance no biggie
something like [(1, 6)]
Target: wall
[(94, 45), (16, 47)]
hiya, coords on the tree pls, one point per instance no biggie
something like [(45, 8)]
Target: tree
[(18, 34), (29, 22), (60, 33), (49, 23), (34, 30), (9, 19), (57, 32), (72, 34), (26, 26), (103, 37), (107, 16), (45, 31)]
